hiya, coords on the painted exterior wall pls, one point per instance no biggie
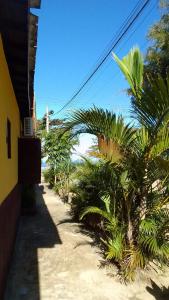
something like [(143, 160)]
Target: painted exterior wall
[(8, 110)]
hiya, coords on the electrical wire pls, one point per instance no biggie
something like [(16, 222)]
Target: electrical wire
[(117, 41), (108, 65), (107, 83), (124, 24)]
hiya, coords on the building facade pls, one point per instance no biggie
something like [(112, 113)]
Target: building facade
[(19, 149)]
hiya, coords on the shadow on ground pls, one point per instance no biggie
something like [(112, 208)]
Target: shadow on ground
[(35, 232), (159, 293)]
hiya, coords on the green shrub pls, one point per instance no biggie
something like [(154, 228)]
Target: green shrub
[(134, 174), (49, 176), (88, 182)]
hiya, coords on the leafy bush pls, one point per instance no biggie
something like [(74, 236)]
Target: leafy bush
[(131, 179), (57, 146), (49, 176), (88, 181)]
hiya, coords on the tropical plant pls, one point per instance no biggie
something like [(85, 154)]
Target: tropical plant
[(114, 230), (89, 179), (157, 59), (138, 161), (41, 124), (58, 149)]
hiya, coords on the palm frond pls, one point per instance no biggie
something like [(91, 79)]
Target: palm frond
[(141, 141), (152, 110), (164, 250), (95, 210), (115, 247), (112, 133), (135, 259), (150, 244), (162, 163), (160, 142), (132, 67), (148, 227)]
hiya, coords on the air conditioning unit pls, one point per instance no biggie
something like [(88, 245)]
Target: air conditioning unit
[(28, 127)]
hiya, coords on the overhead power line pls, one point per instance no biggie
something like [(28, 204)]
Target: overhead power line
[(142, 46), (134, 15), (121, 29)]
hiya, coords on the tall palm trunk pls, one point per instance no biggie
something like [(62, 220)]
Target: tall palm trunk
[(128, 221), (143, 208), (143, 201), (55, 175), (130, 228)]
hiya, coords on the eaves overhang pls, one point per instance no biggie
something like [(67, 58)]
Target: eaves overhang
[(34, 3), (18, 28)]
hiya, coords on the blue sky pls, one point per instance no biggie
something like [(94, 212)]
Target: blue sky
[(72, 36)]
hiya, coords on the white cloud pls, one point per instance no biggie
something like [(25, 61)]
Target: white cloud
[(85, 142)]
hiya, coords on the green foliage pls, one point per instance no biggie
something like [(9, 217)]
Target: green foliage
[(153, 108), (130, 180), (157, 59), (132, 67), (115, 235), (49, 176), (112, 132), (57, 147), (87, 180), (127, 187), (41, 124)]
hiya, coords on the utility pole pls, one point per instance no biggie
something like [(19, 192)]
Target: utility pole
[(47, 119)]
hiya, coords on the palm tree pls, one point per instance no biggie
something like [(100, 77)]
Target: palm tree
[(138, 158), (150, 108)]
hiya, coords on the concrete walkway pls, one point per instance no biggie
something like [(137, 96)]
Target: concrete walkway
[(56, 259)]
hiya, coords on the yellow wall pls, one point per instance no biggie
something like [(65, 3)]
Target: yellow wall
[(8, 109)]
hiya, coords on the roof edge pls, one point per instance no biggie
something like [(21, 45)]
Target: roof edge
[(34, 3)]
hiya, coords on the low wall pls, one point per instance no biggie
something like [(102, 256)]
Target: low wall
[(9, 214)]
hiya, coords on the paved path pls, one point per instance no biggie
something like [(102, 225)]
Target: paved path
[(56, 259)]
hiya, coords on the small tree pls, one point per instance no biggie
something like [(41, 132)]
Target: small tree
[(136, 218), (58, 149), (157, 58)]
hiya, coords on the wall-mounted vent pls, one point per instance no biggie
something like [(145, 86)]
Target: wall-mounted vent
[(28, 127)]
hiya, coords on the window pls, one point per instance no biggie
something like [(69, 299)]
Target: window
[(8, 138)]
